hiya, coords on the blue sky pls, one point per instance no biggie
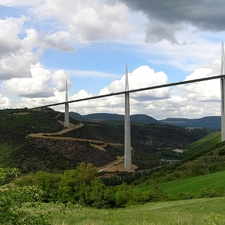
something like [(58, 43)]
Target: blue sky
[(90, 42)]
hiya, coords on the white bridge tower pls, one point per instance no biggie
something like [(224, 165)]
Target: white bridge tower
[(127, 133), (66, 119)]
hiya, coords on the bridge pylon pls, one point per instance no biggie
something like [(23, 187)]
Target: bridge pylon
[(222, 81), (127, 133), (66, 115)]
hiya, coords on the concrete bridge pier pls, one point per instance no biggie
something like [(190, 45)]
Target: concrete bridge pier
[(127, 133), (66, 115)]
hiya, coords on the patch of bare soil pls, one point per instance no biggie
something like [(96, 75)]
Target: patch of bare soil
[(117, 165), (114, 166), (21, 113)]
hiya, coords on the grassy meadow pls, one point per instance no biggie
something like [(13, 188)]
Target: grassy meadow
[(204, 143), (183, 212), (195, 184)]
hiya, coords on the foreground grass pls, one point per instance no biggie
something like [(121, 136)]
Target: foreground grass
[(185, 212)]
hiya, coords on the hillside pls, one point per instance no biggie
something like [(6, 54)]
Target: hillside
[(206, 156), (209, 122), (138, 118), (193, 186), (33, 140)]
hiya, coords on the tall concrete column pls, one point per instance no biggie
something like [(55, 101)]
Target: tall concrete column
[(66, 119), (127, 134), (222, 94)]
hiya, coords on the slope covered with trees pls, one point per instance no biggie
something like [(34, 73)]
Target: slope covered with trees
[(31, 140)]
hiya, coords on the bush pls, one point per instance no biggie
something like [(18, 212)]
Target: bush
[(207, 193), (8, 174), (12, 211), (210, 193), (49, 184), (221, 151), (100, 196), (123, 195), (157, 194), (185, 195), (23, 181)]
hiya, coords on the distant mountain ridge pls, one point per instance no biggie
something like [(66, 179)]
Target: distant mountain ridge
[(138, 118), (209, 122)]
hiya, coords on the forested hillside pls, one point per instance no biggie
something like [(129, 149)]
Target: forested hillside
[(33, 140)]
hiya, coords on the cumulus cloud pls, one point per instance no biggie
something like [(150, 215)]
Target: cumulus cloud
[(16, 54), (13, 3), (4, 102), (35, 86), (59, 79), (165, 18), (141, 77), (206, 90), (9, 40), (194, 100), (68, 25), (60, 40), (87, 21)]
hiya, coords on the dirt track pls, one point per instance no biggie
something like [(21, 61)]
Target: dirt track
[(116, 165)]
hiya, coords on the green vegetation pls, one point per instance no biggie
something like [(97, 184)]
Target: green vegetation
[(69, 193), (210, 185), (204, 143), (31, 154), (188, 212), (54, 179), (183, 212)]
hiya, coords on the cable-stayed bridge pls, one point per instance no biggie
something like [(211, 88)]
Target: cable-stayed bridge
[(127, 140), (127, 134)]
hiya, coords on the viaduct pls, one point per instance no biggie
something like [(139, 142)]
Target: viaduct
[(127, 133)]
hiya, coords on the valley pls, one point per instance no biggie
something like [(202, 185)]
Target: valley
[(45, 167)]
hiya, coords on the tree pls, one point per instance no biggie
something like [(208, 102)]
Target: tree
[(48, 183), (86, 172)]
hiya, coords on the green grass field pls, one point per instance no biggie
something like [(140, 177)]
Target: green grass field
[(204, 143), (183, 212), (195, 184), (192, 185)]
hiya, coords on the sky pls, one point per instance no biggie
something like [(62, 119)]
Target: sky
[(88, 43)]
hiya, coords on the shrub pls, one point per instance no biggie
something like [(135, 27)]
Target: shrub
[(8, 174), (207, 193), (157, 194), (48, 183), (221, 151), (185, 195), (23, 181), (123, 195), (100, 196), (11, 210)]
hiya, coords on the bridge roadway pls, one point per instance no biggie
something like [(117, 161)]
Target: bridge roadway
[(137, 90)]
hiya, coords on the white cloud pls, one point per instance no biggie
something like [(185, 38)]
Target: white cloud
[(188, 101), (86, 20), (4, 102), (9, 40), (205, 90), (66, 25), (59, 40), (59, 79), (35, 86), (142, 77), (16, 54), (13, 3)]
